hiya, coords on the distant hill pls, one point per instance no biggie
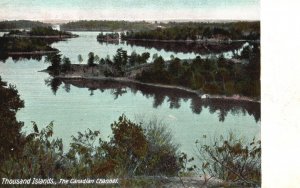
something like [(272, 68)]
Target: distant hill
[(21, 24)]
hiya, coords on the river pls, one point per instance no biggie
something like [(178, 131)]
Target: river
[(74, 107)]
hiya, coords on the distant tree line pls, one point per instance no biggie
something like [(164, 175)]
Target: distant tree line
[(21, 24), (105, 25), (48, 31), (196, 31)]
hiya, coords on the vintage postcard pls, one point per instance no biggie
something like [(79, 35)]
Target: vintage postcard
[(130, 93)]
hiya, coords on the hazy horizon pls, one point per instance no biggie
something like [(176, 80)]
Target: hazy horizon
[(58, 21), (130, 10)]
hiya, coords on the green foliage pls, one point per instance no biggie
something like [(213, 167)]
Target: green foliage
[(66, 66), (232, 160), (108, 37), (130, 151), (47, 31), (91, 59), (128, 146), (55, 60), (105, 25), (194, 31), (21, 24), (11, 138), (137, 59), (213, 76), (158, 64), (157, 74), (162, 157), (97, 59), (14, 44), (80, 60), (85, 157)]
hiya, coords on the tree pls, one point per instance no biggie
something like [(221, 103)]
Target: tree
[(145, 57), (154, 56), (158, 64), (128, 146), (66, 66), (80, 60), (102, 61), (172, 57), (175, 67), (91, 59), (97, 59), (120, 60), (11, 138), (224, 73), (55, 60), (133, 58)]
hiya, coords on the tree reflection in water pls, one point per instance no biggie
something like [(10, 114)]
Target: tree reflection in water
[(54, 84), (173, 97), (187, 47), (16, 58)]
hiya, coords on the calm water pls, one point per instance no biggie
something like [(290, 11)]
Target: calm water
[(75, 107), (87, 43)]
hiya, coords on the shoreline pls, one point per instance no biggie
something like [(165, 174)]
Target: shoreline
[(42, 37), (200, 41), (204, 96), (32, 53)]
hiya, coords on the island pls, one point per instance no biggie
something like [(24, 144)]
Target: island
[(37, 41), (190, 37), (234, 79)]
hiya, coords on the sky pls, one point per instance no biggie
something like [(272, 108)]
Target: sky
[(130, 9)]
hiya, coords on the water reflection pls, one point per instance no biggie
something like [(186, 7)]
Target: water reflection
[(174, 97), (54, 84), (15, 58), (191, 47)]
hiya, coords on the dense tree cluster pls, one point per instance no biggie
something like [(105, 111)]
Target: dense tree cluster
[(21, 24), (213, 76), (119, 62), (8, 45), (108, 37), (195, 31), (58, 64), (105, 25), (24, 43)]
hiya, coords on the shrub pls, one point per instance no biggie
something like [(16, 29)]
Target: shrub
[(232, 160), (162, 155)]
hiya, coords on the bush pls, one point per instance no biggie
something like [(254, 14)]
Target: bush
[(232, 160), (131, 151), (162, 156), (127, 147)]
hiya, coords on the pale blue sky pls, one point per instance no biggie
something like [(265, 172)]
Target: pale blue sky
[(129, 9)]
